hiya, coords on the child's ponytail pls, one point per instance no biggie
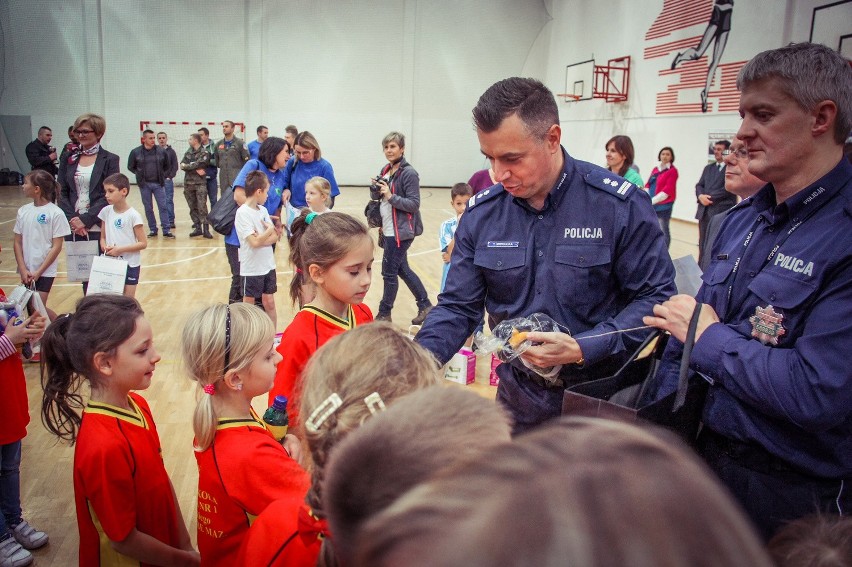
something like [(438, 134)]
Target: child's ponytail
[(61, 384), (297, 230)]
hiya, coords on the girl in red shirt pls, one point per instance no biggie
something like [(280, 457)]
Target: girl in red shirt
[(229, 351), (126, 505), (335, 252), (17, 536), (349, 379)]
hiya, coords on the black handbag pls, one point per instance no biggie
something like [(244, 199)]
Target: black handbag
[(222, 214), (621, 396), (373, 213)]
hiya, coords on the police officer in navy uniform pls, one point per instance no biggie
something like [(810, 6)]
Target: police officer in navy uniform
[(775, 328), (555, 235)]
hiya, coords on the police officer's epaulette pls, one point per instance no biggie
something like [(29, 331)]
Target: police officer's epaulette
[(611, 183), (485, 195)]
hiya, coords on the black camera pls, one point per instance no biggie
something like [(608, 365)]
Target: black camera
[(375, 188)]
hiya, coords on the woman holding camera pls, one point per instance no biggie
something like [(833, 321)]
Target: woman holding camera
[(398, 187), (307, 162)]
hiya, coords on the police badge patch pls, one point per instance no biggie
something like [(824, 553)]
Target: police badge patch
[(766, 325)]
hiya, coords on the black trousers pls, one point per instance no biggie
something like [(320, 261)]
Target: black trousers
[(771, 492)]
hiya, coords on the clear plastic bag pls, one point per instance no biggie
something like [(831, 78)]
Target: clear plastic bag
[(508, 340)]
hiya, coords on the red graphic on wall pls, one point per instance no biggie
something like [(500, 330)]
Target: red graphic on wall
[(686, 61)]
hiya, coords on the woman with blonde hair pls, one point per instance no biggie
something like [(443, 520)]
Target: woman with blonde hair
[(81, 180)]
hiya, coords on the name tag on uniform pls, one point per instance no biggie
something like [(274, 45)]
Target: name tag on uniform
[(502, 244)]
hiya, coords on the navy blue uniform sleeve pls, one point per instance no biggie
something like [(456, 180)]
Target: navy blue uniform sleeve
[(643, 269), (809, 384), (461, 304)]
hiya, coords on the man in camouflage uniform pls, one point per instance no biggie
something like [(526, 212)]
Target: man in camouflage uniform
[(193, 164), (231, 154)]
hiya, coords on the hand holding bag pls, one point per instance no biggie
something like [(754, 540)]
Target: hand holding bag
[(620, 396), (107, 276), (78, 258)]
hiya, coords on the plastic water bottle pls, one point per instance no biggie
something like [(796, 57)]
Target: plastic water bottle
[(11, 313), (276, 419)]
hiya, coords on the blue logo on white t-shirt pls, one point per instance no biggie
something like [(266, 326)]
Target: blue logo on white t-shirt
[(117, 223), (42, 218)]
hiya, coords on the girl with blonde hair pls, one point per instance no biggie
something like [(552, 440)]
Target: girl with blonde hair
[(229, 352)]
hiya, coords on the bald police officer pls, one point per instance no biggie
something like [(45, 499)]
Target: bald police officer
[(555, 235)]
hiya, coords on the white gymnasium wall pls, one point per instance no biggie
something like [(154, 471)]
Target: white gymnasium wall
[(349, 72), (352, 71)]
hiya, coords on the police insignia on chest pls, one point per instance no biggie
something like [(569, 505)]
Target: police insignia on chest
[(766, 325)]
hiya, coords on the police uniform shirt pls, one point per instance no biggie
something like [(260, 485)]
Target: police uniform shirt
[(793, 398), (594, 259)]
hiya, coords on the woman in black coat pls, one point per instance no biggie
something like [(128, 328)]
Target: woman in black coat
[(81, 180)]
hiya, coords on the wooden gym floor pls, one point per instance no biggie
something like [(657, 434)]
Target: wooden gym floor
[(179, 277)]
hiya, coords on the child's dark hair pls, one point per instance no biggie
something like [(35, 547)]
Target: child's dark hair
[(323, 241), (461, 189), (255, 181), (45, 182), (119, 181), (68, 350)]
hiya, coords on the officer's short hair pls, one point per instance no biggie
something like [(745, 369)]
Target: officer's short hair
[(147, 131), (44, 129), (196, 136), (164, 134), (205, 130), (528, 98), (261, 128), (290, 129), (726, 143), (231, 122), (808, 73)]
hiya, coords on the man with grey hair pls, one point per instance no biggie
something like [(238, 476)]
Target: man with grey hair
[(775, 326)]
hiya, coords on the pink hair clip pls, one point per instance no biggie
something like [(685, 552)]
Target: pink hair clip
[(210, 389)]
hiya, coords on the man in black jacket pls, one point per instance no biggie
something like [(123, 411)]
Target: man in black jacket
[(711, 195), (41, 154), (163, 141), (150, 163)]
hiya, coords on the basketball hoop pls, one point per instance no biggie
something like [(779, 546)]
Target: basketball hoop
[(569, 97)]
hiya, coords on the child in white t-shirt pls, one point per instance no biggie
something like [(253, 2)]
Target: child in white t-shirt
[(122, 231), (40, 228), (257, 234)]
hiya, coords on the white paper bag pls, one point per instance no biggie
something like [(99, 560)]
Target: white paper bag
[(78, 258), (20, 296), (107, 275)]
